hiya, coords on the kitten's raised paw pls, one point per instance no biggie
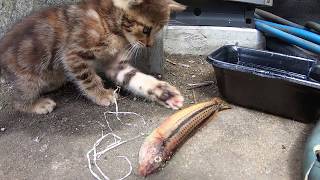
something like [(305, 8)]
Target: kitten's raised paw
[(106, 98), (167, 95), (43, 106)]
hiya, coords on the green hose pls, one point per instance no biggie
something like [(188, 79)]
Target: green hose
[(271, 17), (314, 26)]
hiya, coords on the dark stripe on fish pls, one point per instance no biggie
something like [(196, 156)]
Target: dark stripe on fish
[(186, 121)]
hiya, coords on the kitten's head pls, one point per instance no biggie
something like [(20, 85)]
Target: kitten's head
[(143, 19)]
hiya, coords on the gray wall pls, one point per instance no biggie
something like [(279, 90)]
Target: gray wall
[(11, 10)]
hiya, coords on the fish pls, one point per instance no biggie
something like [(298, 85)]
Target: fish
[(161, 144)]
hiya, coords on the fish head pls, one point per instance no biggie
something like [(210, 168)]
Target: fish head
[(151, 157)]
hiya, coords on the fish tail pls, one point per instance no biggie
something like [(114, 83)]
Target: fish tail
[(222, 104)]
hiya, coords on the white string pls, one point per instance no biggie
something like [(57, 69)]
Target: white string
[(128, 113), (309, 170), (96, 155), (315, 149), (117, 113), (117, 142), (130, 171)]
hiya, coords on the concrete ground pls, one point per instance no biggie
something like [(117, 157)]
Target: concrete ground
[(237, 144)]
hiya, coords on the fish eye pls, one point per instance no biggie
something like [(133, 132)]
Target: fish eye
[(158, 159)]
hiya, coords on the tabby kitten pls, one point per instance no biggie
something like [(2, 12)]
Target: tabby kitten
[(47, 48)]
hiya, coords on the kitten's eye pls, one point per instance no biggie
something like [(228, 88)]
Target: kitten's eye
[(147, 30)]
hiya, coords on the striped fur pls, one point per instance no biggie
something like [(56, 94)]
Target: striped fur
[(47, 48)]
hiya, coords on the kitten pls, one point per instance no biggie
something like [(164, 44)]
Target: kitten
[(47, 48)]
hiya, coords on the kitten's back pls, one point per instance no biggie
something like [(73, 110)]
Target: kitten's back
[(32, 42)]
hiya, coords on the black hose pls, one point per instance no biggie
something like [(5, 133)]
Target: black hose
[(271, 17), (282, 47), (258, 17), (314, 26)]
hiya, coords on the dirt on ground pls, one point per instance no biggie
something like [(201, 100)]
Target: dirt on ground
[(239, 144)]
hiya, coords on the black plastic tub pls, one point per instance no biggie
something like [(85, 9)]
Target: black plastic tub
[(266, 81)]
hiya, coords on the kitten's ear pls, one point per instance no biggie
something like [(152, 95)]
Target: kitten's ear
[(175, 6), (134, 2)]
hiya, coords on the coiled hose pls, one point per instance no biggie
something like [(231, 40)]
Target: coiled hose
[(310, 36), (288, 37)]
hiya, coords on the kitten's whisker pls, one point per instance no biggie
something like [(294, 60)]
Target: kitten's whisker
[(172, 21), (134, 52), (125, 52), (137, 52), (122, 58), (134, 56), (137, 47), (129, 56), (140, 44)]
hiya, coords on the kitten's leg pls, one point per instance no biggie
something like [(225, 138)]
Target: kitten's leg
[(87, 80), (27, 98), (145, 85)]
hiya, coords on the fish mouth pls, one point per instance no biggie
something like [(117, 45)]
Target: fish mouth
[(143, 171)]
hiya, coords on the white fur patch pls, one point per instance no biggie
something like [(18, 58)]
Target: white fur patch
[(141, 83), (93, 14), (122, 4), (122, 74)]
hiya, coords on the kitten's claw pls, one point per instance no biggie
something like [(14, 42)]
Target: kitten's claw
[(175, 102), (167, 95), (106, 98), (44, 106)]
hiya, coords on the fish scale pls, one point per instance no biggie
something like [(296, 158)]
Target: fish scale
[(159, 146)]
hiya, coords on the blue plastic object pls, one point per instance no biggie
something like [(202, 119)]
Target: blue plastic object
[(310, 36), (311, 168), (288, 37)]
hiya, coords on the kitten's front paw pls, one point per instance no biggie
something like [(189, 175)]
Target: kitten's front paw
[(44, 106), (167, 95), (105, 98)]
